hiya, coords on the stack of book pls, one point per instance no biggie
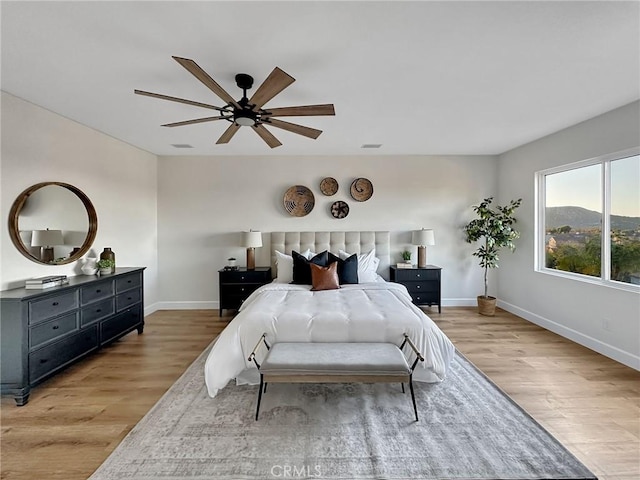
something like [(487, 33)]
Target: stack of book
[(45, 282), (404, 265)]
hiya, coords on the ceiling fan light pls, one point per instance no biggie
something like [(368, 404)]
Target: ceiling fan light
[(245, 121)]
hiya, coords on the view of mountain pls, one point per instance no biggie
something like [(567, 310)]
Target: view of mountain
[(581, 218)]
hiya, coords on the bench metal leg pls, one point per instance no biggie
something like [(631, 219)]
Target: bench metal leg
[(413, 398), (265, 387), (260, 397), (402, 387)]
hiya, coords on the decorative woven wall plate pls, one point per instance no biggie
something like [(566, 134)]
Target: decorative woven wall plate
[(329, 186), (299, 201), (339, 209), (361, 189)]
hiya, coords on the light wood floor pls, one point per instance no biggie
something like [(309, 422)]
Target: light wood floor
[(73, 421)]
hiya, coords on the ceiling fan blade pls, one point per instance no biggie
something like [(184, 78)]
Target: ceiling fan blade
[(228, 133), (266, 136), (204, 77), (191, 122), (301, 111), (276, 82), (295, 128), (176, 99)]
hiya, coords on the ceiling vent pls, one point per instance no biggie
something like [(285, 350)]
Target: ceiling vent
[(181, 145), (371, 145)]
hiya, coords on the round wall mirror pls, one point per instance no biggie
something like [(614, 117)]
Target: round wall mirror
[(53, 223)]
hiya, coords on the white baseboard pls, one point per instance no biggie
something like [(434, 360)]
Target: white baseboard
[(202, 305), (459, 302), (599, 346)]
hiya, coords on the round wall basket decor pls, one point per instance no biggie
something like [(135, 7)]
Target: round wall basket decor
[(329, 186), (361, 189), (339, 209), (299, 201)]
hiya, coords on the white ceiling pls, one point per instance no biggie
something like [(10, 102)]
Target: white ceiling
[(418, 77)]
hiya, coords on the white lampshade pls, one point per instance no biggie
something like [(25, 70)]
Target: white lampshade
[(423, 237), (46, 238), (252, 239)]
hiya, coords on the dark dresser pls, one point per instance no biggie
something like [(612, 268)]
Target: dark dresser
[(423, 284), (237, 285), (43, 331)]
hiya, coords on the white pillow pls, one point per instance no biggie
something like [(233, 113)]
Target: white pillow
[(367, 265), (284, 265)]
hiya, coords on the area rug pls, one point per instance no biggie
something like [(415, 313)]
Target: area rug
[(468, 429)]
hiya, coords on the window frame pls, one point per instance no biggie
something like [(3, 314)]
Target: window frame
[(540, 222)]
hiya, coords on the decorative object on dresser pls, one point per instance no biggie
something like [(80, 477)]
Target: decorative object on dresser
[(46, 240), (329, 186), (49, 281), (53, 203), (299, 201), (106, 266), (339, 209), (89, 266), (237, 285), (406, 260), (108, 254), (251, 240), (422, 238), (361, 189), (423, 284), (42, 332)]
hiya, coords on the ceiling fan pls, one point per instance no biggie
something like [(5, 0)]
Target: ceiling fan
[(248, 112)]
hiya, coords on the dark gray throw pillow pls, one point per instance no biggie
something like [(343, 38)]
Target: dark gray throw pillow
[(347, 269), (301, 268)]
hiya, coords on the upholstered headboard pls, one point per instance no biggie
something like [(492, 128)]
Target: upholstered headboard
[(352, 242)]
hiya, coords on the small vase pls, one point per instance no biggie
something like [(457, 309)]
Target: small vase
[(108, 254), (89, 266)]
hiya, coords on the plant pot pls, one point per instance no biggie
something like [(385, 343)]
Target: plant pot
[(105, 271), (486, 305)]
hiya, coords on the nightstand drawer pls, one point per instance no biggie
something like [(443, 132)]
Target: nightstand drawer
[(415, 275), (243, 276), (421, 287), (425, 298), (242, 290)]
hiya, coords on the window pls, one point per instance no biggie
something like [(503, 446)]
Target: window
[(577, 203)]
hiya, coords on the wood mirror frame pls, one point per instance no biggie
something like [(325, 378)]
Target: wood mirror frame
[(18, 204)]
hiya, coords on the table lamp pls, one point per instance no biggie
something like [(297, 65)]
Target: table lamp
[(422, 238), (251, 240)]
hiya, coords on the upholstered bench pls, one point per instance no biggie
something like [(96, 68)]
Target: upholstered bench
[(335, 363)]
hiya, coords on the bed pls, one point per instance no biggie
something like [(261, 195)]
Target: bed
[(373, 310)]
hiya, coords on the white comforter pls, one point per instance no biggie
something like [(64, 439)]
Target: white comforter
[(367, 312)]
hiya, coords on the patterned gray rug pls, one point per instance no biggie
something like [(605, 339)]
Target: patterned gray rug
[(468, 429)]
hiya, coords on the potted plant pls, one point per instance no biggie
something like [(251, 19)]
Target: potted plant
[(406, 256), (494, 229), (106, 266), (232, 261)]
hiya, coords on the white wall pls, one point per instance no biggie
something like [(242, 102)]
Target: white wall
[(120, 180), (569, 307), (205, 202)]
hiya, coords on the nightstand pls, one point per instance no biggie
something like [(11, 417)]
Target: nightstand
[(237, 285), (423, 284)]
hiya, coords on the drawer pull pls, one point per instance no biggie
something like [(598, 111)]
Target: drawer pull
[(241, 278), (44, 360), (417, 286), (129, 298), (98, 291), (418, 275), (98, 310), (55, 304), (128, 281), (56, 327)]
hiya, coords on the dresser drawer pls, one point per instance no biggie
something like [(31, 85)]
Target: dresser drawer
[(48, 331), (126, 299), (52, 306), (96, 292), (96, 311), (116, 326), (48, 359), (127, 282)]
